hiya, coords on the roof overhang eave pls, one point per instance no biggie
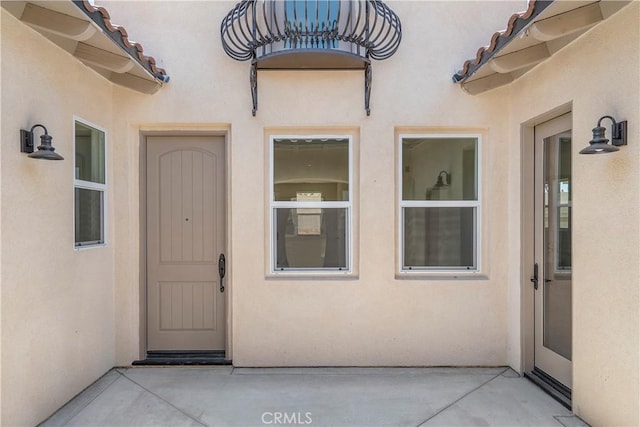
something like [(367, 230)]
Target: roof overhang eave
[(531, 38), (86, 32)]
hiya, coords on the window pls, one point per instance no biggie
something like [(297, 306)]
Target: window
[(439, 202), (89, 185), (557, 196), (311, 204)]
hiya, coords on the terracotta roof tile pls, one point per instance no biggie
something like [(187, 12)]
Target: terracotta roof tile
[(119, 35), (517, 23)]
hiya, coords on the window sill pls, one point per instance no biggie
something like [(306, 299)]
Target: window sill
[(441, 275), (312, 276), (84, 247)]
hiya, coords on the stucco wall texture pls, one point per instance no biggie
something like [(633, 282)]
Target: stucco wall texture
[(599, 75), (58, 315), (356, 321), (68, 316), (606, 257)]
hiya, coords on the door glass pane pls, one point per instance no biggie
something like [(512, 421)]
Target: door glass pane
[(88, 207), (310, 238), (557, 244), (439, 169), (311, 169), (439, 237)]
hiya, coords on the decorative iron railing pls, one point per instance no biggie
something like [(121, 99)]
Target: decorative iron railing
[(310, 34)]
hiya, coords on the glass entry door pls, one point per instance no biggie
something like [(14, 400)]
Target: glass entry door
[(553, 189)]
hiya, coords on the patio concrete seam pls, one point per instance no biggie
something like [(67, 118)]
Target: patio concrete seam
[(460, 398), (571, 421), (186, 414), (78, 410)]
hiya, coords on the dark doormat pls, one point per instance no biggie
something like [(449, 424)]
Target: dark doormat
[(157, 358)]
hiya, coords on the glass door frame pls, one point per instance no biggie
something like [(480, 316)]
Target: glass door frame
[(545, 359)]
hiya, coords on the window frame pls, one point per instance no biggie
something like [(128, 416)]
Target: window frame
[(445, 271), (560, 271), (273, 205), (90, 185)]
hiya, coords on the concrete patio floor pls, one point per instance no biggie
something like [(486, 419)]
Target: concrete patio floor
[(227, 396)]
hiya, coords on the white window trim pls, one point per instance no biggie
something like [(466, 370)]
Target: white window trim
[(439, 272), (333, 204), (88, 185)]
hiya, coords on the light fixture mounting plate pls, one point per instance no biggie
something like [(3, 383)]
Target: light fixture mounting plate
[(619, 134), (26, 141)]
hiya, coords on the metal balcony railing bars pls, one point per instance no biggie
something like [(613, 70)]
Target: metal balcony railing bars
[(282, 34)]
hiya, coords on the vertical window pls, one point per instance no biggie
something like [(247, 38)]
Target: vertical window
[(439, 202), (89, 185), (311, 203), (558, 184)]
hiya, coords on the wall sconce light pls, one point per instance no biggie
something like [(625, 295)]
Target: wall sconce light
[(442, 182), (599, 144), (45, 149)]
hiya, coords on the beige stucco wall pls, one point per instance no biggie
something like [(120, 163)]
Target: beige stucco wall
[(1, 20), (57, 303), (70, 315), (599, 74), (373, 318)]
